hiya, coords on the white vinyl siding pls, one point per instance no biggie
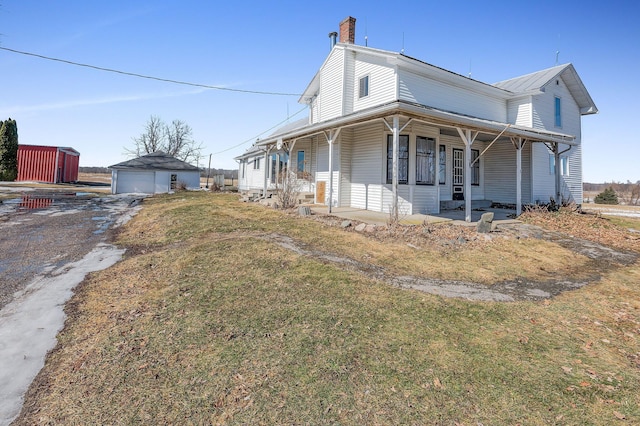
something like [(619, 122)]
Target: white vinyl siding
[(346, 145), (153, 182), (323, 169), (382, 81), (331, 86), (543, 108), (519, 111), (425, 91), (500, 173), (367, 158)]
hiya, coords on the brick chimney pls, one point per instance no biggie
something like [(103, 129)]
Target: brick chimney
[(348, 30)]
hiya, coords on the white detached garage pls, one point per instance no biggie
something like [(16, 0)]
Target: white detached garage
[(153, 174)]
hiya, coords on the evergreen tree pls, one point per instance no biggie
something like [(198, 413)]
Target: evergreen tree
[(8, 150), (608, 196)]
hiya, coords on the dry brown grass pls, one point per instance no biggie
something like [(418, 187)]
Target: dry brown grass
[(587, 226), (95, 177), (206, 321)]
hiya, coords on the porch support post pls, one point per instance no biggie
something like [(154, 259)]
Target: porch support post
[(266, 171), (468, 137), (519, 144), (395, 129), (330, 140), (290, 151), (394, 178), (331, 137)]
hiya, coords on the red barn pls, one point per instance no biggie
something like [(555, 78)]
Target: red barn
[(51, 164)]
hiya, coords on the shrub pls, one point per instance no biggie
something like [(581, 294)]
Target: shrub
[(608, 196)]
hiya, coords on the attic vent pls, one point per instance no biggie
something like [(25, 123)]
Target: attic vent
[(557, 82)]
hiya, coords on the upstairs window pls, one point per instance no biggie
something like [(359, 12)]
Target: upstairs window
[(256, 163), (558, 112), (364, 87), (403, 159)]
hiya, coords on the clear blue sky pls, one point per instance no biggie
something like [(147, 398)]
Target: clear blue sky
[(278, 47)]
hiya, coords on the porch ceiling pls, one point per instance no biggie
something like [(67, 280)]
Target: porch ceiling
[(444, 119)]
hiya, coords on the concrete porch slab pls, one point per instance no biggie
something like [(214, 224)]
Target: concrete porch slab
[(453, 216)]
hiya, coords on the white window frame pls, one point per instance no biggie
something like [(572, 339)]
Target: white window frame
[(364, 79), (557, 111), (428, 176), (564, 165)]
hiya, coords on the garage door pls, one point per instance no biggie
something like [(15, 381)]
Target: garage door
[(128, 181)]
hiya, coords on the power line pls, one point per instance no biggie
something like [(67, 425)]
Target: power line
[(258, 135), (166, 80)]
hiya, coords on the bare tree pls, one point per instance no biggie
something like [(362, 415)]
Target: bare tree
[(180, 143), (175, 139)]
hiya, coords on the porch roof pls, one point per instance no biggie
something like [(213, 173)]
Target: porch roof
[(424, 113)]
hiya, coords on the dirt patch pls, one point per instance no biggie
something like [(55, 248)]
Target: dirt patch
[(449, 238)]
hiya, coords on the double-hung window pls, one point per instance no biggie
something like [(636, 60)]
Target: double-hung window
[(475, 168), (363, 90), (558, 112), (300, 164), (256, 163), (403, 159), (442, 165), (564, 165), (425, 161)]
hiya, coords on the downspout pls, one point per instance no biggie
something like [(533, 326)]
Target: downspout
[(556, 159)]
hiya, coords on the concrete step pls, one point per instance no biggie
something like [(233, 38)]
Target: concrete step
[(457, 204)]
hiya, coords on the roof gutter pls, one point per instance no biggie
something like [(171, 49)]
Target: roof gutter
[(423, 113)]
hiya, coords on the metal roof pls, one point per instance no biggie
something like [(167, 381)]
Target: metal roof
[(533, 81), (538, 80), (425, 113), (155, 161)]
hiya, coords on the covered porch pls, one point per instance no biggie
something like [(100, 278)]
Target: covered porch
[(379, 189)]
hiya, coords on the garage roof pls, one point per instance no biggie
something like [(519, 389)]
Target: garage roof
[(155, 161)]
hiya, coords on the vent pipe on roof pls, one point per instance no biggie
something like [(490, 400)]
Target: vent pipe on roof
[(333, 36)]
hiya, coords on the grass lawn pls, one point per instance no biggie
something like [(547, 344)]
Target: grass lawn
[(207, 321)]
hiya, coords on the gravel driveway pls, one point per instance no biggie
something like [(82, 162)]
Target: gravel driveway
[(49, 240), (41, 231)]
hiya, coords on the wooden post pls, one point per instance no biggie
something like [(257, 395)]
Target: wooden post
[(519, 177), (394, 179), (467, 137)]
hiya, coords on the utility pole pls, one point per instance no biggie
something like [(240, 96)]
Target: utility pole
[(208, 171)]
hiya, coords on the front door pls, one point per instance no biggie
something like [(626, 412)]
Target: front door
[(458, 174)]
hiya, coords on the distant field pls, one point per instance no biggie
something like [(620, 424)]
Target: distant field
[(95, 177)]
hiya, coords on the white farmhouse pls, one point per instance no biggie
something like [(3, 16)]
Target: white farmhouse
[(390, 133)]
